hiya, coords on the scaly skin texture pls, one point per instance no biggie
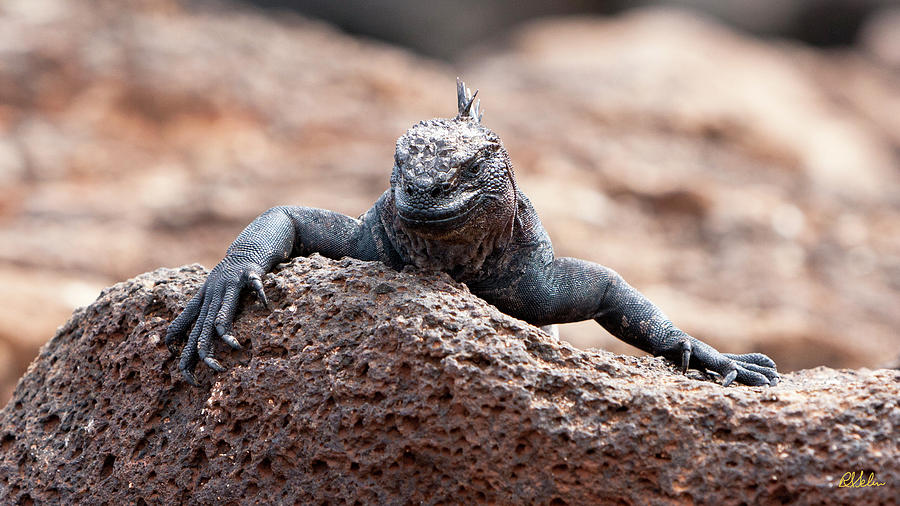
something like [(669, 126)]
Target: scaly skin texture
[(452, 206)]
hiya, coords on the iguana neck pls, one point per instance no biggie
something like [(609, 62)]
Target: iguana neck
[(465, 255)]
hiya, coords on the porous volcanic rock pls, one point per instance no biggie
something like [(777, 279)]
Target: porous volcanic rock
[(364, 384)]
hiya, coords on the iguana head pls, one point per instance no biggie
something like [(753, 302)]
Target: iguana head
[(451, 175)]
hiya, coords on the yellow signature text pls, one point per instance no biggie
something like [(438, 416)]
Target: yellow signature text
[(851, 480)]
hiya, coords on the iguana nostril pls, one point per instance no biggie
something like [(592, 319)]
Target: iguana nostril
[(436, 191)]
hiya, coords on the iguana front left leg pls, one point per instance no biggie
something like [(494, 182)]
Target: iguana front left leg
[(569, 290), (275, 236)]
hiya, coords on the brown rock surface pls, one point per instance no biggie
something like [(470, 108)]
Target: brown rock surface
[(748, 187), (371, 385)]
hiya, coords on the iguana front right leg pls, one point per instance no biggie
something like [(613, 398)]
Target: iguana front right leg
[(569, 290), (275, 236)]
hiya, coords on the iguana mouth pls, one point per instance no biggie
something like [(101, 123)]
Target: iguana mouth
[(448, 219)]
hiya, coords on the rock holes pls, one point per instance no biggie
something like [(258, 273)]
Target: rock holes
[(783, 495), (139, 447), (409, 423), (108, 464), (264, 468), (6, 442), (199, 461), (272, 351), (318, 466), (132, 377)]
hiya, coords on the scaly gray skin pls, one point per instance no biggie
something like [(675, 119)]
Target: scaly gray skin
[(452, 206)]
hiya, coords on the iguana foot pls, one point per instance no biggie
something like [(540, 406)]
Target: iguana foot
[(211, 312), (753, 369)]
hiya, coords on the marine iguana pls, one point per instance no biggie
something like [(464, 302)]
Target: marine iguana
[(453, 206)]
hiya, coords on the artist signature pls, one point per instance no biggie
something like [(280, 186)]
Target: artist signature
[(851, 480)]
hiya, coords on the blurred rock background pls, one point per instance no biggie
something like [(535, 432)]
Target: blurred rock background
[(746, 183)]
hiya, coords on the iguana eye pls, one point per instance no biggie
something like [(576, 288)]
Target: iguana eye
[(473, 168)]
